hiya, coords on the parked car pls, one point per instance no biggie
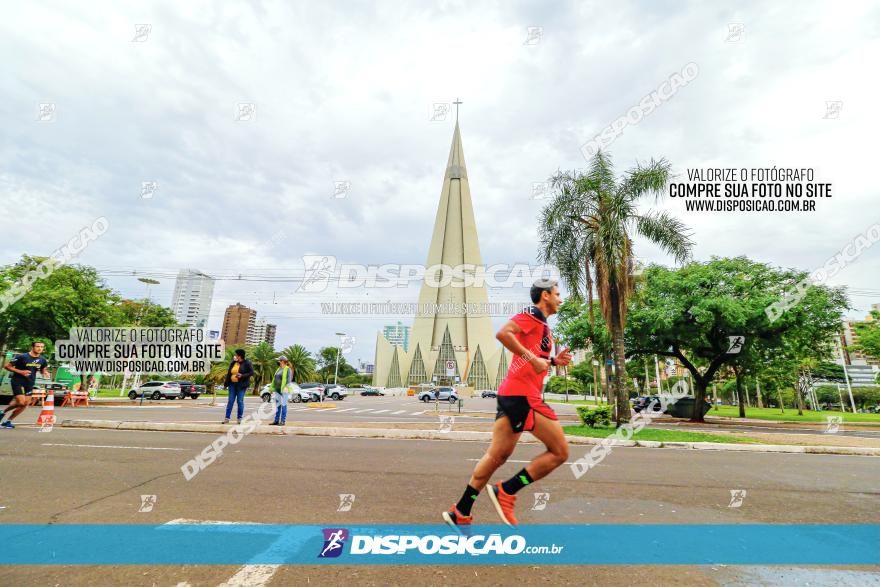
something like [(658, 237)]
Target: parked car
[(488, 393), (336, 392), (156, 390), (444, 394), (189, 389), (296, 397), (644, 402), (372, 391), (315, 390)]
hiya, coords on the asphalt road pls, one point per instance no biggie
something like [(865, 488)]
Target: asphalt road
[(98, 476), (358, 409)]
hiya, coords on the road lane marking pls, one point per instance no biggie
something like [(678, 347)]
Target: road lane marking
[(361, 411), (381, 411), (246, 575), (111, 446), (347, 409), (397, 412)]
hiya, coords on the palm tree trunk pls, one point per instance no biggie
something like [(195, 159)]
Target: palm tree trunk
[(758, 392), (622, 413)]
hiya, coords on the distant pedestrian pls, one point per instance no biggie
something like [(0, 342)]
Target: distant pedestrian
[(281, 384), (237, 379), (24, 369)]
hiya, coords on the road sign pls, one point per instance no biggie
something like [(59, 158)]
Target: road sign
[(450, 368)]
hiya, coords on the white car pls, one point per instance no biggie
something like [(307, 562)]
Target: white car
[(156, 390), (336, 392), (296, 396)]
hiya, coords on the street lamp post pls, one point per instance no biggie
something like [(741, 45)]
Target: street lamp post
[(338, 351)]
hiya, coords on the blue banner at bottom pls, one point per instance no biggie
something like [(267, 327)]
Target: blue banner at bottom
[(648, 544)]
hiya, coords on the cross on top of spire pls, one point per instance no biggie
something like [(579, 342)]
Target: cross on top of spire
[(457, 102)]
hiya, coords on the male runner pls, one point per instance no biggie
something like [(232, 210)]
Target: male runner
[(520, 408), (24, 369)]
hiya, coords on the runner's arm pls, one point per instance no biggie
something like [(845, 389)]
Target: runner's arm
[(507, 336), (9, 367)]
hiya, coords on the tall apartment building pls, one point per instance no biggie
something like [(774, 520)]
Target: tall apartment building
[(262, 332), (238, 325), (398, 335), (191, 300)]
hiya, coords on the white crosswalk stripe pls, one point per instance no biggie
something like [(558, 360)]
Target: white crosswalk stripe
[(397, 412), (381, 411), (362, 411)]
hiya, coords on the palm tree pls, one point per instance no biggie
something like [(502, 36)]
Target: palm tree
[(585, 231), (302, 362), (264, 360), (217, 374)]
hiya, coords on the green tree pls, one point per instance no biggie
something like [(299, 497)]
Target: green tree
[(692, 312), (302, 362), (217, 374), (143, 313), (583, 371), (326, 362), (587, 230), (868, 333), (264, 360), (576, 329), (72, 295)]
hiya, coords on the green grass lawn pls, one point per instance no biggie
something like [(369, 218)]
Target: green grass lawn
[(658, 434), (791, 415), (582, 402)]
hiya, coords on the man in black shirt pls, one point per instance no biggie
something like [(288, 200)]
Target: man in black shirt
[(24, 369)]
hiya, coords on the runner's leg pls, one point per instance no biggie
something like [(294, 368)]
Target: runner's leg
[(504, 440), (550, 433), (16, 406)]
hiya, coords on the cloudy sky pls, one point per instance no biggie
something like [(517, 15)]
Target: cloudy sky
[(346, 92)]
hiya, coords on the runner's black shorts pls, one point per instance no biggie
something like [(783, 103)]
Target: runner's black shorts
[(520, 411), (20, 387)]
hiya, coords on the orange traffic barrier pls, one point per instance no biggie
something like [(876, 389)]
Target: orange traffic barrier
[(75, 397)]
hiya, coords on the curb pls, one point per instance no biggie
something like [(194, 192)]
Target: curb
[(465, 435)]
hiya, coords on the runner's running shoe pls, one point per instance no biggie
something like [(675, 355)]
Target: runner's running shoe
[(503, 504), (456, 520)]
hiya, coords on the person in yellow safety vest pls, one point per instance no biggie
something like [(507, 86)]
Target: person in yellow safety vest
[(281, 384)]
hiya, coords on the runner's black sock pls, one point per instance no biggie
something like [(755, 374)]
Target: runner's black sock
[(467, 500), (516, 482)]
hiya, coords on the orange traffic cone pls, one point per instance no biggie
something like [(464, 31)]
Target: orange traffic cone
[(47, 416)]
